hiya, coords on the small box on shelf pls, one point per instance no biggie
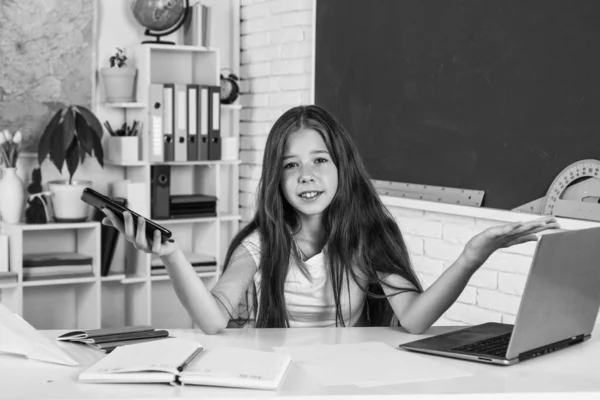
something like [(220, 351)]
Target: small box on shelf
[(123, 149)]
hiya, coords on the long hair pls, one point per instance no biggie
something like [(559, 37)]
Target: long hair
[(359, 230)]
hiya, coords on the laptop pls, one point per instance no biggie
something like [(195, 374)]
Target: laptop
[(558, 308)]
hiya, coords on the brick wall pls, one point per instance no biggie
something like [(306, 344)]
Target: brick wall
[(276, 73), (435, 240)]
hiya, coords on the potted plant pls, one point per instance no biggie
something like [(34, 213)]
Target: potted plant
[(72, 133), (123, 144), (119, 79)]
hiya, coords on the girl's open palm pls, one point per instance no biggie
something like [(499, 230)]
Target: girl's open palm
[(136, 235), (481, 246)]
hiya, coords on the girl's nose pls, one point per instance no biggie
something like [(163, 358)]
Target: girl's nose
[(307, 175)]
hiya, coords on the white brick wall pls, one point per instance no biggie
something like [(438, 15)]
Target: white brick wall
[(276, 74)]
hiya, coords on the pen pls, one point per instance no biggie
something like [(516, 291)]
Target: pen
[(190, 358)]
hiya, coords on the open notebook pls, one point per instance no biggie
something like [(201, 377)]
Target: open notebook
[(180, 361)]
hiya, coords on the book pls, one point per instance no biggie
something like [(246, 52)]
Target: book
[(55, 258), (109, 238), (107, 339), (186, 362), (4, 253), (196, 259), (8, 277)]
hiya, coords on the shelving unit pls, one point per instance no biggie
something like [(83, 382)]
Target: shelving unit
[(130, 295), (54, 303), (150, 299)]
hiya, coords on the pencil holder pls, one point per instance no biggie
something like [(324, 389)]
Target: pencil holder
[(123, 149)]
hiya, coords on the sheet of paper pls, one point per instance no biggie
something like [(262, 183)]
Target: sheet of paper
[(17, 336), (368, 364)]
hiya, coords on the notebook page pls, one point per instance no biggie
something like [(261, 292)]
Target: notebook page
[(237, 367), (164, 355)]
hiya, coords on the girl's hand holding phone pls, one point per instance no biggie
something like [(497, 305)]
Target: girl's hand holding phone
[(136, 235)]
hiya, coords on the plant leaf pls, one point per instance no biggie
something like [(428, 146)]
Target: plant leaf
[(91, 120), (57, 150), (72, 157), (84, 134), (46, 139), (68, 128), (98, 151)]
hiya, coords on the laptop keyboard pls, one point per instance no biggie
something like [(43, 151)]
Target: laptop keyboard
[(494, 346)]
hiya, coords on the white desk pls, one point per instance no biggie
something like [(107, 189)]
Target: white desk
[(572, 373)]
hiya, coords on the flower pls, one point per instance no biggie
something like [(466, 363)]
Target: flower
[(10, 145)]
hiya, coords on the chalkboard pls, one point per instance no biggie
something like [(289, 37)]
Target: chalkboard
[(492, 95)]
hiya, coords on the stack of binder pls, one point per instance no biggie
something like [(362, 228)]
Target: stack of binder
[(185, 122)]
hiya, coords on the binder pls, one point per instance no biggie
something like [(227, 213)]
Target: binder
[(155, 111), (180, 120), (192, 121), (169, 121), (214, 131), (203, 123)]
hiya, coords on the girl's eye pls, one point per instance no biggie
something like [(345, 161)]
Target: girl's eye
[(289, 165), (321, 160)]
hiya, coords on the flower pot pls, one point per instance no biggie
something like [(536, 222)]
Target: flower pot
[(12, 196), (66, 200), (122, 149), (119, 84)]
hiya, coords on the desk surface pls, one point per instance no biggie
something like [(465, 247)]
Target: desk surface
[(574, 370)]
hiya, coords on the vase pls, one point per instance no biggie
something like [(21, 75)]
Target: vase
[(12, 196)]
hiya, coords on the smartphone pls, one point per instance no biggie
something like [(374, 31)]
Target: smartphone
[(98, 200)]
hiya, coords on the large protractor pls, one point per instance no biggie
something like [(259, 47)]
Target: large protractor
[(576, 178)]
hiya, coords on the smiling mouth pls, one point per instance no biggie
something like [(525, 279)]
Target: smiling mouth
[(309, 195)]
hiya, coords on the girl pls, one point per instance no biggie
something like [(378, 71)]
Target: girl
[(321, 250)]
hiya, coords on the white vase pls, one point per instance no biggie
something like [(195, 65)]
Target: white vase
[(12, 196)]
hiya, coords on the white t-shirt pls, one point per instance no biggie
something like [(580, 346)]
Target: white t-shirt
[(310, 302)]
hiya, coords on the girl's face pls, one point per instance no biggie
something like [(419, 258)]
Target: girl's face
[(310, 178)]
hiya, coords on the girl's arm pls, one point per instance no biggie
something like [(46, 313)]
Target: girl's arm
[(206, 310), (418, 311), (203, 307)]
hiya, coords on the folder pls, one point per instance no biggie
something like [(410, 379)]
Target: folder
[(203, 122), (192, 121), (169, 121), (155, 111), (180, 110), (214, 132)]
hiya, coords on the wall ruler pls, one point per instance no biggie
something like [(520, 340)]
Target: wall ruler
[(440, 194)]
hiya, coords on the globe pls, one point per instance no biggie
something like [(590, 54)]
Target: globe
[(159, 15)]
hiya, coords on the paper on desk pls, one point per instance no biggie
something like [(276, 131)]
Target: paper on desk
[(368, 364), (18, 337)]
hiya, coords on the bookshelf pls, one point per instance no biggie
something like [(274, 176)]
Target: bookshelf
[(54, 303), (130, 294), (150, 299)]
